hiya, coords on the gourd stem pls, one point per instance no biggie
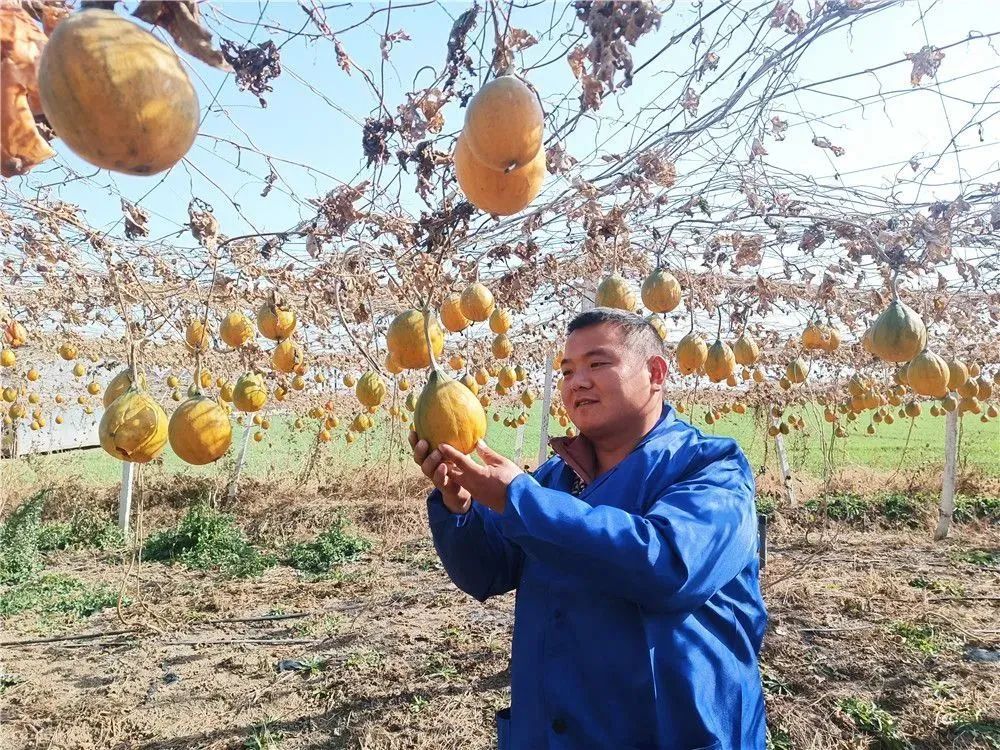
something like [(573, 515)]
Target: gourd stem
[(197, 373), (131, 363), (691, 313), (427, 340), (718, 332)]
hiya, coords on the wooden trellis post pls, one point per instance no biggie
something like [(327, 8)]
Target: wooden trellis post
[(543, 436), (240, 459), (761, 541), (519, 446), (786, 470), (125, 497), (948, 480)]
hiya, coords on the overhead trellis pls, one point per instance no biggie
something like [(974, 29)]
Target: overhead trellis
[(724, 141)]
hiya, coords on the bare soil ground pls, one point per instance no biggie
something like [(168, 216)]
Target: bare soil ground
[(388, 654)]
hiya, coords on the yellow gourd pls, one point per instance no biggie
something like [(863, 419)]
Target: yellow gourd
[(927, 374), (659, 325), (370, 389), (250, 392), (236, 329), (286, 356), (719, 362), (408, 344), (119, 384), (199, 431), (494, 191), (448, 412), (500, 321), (275, 321), (958, 373), (503, 124), (133, 427), (661, 292), (451, 314), (476, 302), (797, 371), (691, 354), (197, 336), (746, 350), (116, 95), (614, 291), (898, 334), (501, 346)]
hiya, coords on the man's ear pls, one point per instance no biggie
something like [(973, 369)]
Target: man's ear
[(658, 370)]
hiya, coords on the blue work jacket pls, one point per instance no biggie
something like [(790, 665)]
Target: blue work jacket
[(638, 616)]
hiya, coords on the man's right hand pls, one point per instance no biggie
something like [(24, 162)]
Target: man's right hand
[(456, 499)]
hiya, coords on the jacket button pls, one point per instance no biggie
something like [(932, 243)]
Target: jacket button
[(559, 726), (558, 614)]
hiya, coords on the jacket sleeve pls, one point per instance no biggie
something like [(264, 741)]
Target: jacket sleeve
[(476, 556), (693, 539)]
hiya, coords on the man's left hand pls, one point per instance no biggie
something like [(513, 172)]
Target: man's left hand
[(487, 483)]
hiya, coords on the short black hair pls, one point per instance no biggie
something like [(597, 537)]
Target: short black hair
[(637, 331)]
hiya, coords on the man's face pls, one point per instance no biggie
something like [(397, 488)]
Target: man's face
[(605, 385)]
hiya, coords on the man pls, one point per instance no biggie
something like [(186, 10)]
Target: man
[(638, 616)]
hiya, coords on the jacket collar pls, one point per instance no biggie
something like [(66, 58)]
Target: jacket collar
[(578, 452)]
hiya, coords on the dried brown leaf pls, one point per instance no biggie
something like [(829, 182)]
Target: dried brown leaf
[(925, 63), (182, 21), (21, 145)]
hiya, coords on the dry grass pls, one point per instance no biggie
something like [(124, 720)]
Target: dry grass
[(395, 657)]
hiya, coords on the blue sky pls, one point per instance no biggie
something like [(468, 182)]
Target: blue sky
[(299, 126)]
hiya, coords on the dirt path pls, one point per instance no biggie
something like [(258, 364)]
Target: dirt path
[(390, 655)]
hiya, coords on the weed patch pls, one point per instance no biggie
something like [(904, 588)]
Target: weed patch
[(19, 556), (263, 737), (766, 505), (902, 509), (976, 508), (778, 739), (875, 722), (982, 557), (849, 508), (208, 540), (86, 529), (54, 594), (920, 638), (947, 588), (974, 729), (334, 547)]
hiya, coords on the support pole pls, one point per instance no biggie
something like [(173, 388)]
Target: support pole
[(543, 437), (948, 480), (786, 471), (125, 497), (240, 459), (519, 446), (761, 541)]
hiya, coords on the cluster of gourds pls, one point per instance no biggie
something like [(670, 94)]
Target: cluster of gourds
[(134, 427), (898, 335), (200, 430), (448, 410)]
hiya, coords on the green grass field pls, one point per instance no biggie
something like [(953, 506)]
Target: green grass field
[(285, 451)]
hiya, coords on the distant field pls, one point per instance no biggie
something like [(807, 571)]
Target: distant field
[(285, 450)]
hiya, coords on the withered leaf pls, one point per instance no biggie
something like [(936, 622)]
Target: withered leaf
[(182, 21), (21, 43), (135, 220), (925, 63)]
